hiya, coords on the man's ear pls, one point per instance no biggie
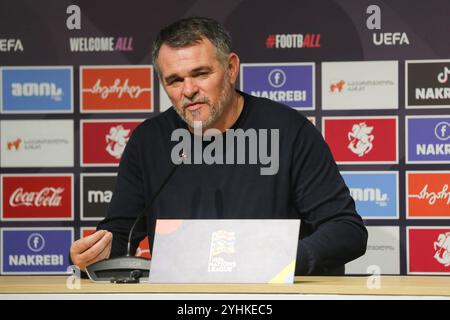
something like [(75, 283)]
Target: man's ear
[(233, 67)]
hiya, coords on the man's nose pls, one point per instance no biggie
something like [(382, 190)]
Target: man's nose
[(190, 88)]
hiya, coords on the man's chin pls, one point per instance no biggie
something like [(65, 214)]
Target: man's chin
[(204, 124), (197, 121)]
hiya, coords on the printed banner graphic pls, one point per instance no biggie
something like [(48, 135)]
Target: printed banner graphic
[(427, 139), (116, 88), (103, 141), (429, 250), (290, 83), (375, 193), (37, 197), (382, 254), (96, 193), (428, 194), (427, 84), (36, 89), (36, 251), (37, 143), (364, 140), (360, 85)]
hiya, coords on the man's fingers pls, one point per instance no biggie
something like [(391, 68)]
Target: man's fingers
[(96, 249), (103, 255), (84, 244)]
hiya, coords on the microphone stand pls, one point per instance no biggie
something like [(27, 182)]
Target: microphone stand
[(128, 269)]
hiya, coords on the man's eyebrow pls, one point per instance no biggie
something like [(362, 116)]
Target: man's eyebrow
[(200, 69), (174, 76)]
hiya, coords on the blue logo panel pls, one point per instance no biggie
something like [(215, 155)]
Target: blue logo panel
[(36, 251), (290, 84), (46, 89), (428, 139), (375, 193)]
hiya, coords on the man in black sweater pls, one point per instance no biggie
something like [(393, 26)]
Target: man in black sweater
[(281, 169)]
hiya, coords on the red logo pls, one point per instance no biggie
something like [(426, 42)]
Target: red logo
[(429, 250), (428, 194), (121, 89), (103, 142), (362, 140), (14, 144), (31, 197), (142, 251), (337, 86)]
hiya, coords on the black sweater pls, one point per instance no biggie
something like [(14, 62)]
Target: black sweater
[(307, 185)]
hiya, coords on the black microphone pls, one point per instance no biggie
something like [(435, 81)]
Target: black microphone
[(129, 269)]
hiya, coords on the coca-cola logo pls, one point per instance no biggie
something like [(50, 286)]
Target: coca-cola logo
[(46, 197), (36, 197)]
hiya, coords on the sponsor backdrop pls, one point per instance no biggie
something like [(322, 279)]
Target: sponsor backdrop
[(373, 76)]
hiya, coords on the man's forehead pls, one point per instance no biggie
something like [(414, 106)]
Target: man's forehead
[(187, 58), (200, 41), (198, 47)]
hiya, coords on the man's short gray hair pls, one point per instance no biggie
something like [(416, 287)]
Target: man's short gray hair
[(189, 31)]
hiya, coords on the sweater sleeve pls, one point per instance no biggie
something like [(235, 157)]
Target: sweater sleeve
[(335, 233), (127, 202)]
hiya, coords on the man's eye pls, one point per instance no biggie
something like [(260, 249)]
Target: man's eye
[(174, 81), (202, 74)]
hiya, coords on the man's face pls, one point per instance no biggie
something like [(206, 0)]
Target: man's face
[(196, 82)]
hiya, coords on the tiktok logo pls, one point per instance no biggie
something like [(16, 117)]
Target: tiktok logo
[(36, 242), (277, 78), (443, 76), (442, 131)]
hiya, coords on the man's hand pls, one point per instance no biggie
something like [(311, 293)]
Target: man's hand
[(91, 249)]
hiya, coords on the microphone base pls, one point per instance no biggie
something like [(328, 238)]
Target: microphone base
[(124, 269)]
